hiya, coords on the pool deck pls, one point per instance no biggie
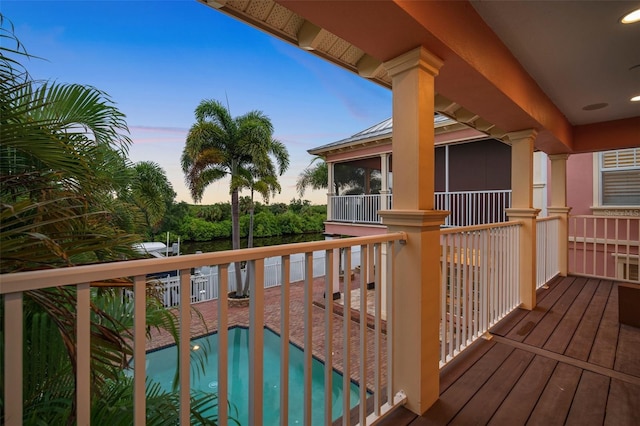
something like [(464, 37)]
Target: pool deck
[(239, 316)]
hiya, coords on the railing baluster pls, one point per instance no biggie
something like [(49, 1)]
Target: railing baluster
[(139, 349), (184, 350), (83, 360), (377, 325), (364, 267), (256, 343), (223, 344), (444, 277), (390, 253), (308, 336), (284, 341), (346, 358), (328, 341), (13, 365)]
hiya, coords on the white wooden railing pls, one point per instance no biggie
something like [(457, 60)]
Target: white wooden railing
[(479, 282), (604, 247), (468, 208), (369, 357), (547, 238), (359, 208)]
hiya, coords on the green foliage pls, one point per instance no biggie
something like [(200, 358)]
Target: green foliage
[(196, 229), (62, 158)]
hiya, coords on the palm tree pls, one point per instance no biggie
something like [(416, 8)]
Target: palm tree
[(150, 192), (62, 157), (265, 184), (219, 145)]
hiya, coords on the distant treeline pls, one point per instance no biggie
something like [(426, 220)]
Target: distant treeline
[(210, 222)]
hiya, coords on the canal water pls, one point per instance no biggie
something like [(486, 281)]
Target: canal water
[(191, 247)]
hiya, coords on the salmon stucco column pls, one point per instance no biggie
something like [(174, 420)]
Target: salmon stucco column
[(522, 144), (415, 314), (330, 193), (559, 207)]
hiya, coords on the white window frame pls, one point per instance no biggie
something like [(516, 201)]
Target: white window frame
[(624, 262), (599, 169)]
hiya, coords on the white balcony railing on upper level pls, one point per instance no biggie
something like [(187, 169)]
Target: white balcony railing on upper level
[(604, 247), (471, 208), (479, 282), (374, 347), (468, 208), (547, 249), (359, 208)]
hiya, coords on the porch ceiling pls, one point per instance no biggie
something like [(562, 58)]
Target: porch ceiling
[(507, 66)]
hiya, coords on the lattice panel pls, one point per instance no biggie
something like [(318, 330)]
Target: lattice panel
[(339, 48), (240, 5), (326, 40), (293, 26), (260, 9), (352, 55), (279, 17)]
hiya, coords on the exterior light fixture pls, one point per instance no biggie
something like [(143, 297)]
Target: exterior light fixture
[(631, 17), (635, 98)]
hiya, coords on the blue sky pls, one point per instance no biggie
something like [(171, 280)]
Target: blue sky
[(158, 59)]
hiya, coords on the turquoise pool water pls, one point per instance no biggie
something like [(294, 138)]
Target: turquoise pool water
[(161, 366)]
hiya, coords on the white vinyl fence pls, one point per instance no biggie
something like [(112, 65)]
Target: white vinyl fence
[(547, 249), (204, 280), (479, 282), (605, 247)]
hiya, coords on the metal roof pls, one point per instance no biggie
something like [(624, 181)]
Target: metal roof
[(379, 131)]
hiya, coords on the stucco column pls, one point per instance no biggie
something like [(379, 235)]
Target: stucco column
[(559, 207), (415, 312), (522, 144), (330, 193)]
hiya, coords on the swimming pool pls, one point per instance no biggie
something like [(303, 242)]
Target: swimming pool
[(161, 367)]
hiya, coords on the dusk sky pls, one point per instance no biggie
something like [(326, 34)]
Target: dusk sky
[(158, 59)]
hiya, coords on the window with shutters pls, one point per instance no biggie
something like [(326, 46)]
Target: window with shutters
[(620, 177)]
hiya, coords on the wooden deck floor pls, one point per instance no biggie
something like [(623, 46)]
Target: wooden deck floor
[(568, 361)]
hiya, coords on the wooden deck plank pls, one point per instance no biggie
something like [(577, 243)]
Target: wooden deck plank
[(458, 394), (513, 318), (516, 408), (623, 405), (398, 417), (575, 324), (603, 351), (628, 350), (481, 407), (561, 336), (460, 364), (584, 337), (554, 403), (529, 322), (590, 400), (547, 325)]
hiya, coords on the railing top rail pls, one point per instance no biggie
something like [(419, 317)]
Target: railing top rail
[(548, 218), (489, 191), (33, 280), (461, 229), (357, 195), (591, 216)]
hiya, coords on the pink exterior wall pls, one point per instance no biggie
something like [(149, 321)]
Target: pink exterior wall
[(353, 230), (369, 151), (579, 183)]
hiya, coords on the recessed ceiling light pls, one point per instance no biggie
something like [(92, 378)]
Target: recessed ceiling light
[(593, 107), (631, 17), (635, 98)]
